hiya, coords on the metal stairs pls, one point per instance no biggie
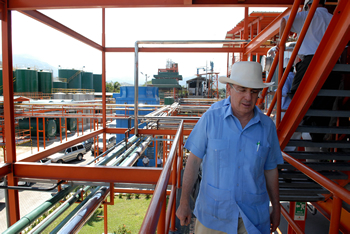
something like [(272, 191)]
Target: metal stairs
[(296, 186)]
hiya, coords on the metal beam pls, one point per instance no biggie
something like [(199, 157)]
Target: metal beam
[(175, 50), (71, 172), (5, 169), (268, 32), (13, 199), (60, 27), (65, 4)]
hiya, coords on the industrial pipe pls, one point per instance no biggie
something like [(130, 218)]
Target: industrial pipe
[(117, 161), (21, 224), (85, 212), (62, 224), (132, 158), (56, 213)]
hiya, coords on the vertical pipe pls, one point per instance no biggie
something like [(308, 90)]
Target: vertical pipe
[(136, 85), (228, 63), (174, 178), (37, 132), (245, 35), (180, 158), (291, 213), (156, 143), (105, 216), (104, 78), (44, 135), (65, 124), (60, 120), (335, 216)]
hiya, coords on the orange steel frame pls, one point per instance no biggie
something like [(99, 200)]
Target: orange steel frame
[(338, 34)]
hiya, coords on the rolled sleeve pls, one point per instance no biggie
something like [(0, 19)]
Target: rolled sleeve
[(275, 155)]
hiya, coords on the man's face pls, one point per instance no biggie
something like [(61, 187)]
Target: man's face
[(242, 99)]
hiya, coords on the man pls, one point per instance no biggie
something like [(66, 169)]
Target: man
[(159, 161), (311, 40), (306, 52), (145, 161), (239, 151)]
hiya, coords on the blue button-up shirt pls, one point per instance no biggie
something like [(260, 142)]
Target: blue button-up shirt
[(234, 160)]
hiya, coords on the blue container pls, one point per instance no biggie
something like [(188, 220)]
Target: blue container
[(147, 95)]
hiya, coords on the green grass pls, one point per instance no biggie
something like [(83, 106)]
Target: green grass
[(128, 212)]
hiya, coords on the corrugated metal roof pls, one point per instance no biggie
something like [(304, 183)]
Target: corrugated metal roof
[(264, 18)]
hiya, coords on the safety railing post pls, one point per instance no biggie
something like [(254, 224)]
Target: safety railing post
[(335, 216), (161, 221)]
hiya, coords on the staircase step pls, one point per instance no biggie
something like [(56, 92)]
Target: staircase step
[(319, 155), (320, 166), (305, 198), (333, 175), (328, 113), (323, 129), (298, 183), (324, 144), (303, 191), (341, 68), (334, 93)]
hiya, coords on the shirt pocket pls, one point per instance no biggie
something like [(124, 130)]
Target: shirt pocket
[(217, 203), (255, 156), (218, 152)]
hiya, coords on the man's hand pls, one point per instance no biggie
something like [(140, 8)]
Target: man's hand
[(184, 214), (274, 219)]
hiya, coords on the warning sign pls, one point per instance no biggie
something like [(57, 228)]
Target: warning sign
[(300, 208)]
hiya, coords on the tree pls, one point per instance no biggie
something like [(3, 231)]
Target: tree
[(116, 87), (113, 87)]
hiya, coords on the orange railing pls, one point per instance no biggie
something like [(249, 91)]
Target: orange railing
[(157, 213), (339, 193)]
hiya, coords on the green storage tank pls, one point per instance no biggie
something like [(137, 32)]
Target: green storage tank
[(59, 85), (26, 80), (97, 83), (168, 101), (50, 126), (58, 125), (87, 80), (73, 77), (72, 124), (45, 81)]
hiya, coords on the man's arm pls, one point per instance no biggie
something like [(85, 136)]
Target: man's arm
[(273, 191), (190, 175)]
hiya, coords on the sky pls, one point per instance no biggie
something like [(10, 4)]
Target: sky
[(124, 26)]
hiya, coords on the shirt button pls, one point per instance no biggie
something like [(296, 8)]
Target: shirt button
[(240, 150), (239, 167), (237, 185)]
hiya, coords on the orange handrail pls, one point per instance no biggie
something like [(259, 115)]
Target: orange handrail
[(149, 224)]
